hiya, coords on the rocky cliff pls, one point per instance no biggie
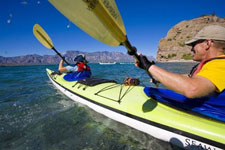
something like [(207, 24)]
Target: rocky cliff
[(172, 47), (93, 57)]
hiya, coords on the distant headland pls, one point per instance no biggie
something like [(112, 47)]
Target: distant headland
[(172, 48)]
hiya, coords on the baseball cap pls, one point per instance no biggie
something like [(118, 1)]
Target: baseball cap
[(80, 58), (213, 32)]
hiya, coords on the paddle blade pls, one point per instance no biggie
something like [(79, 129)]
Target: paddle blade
[(99, 18), (42, 36)]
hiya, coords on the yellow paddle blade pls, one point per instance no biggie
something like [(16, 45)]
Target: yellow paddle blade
[(42, 36), (99, 18)]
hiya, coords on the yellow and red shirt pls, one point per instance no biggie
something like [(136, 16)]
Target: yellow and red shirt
[(214, 71)]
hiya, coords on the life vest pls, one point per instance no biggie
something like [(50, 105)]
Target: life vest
[(82, 67), (196, 69)]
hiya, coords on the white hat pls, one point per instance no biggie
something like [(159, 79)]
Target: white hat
[(213, 32)]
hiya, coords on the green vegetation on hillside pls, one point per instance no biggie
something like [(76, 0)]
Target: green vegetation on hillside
[(187, 56), (181, 44), (172, 55)]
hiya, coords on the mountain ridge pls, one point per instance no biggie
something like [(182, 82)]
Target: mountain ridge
[(92, 57)]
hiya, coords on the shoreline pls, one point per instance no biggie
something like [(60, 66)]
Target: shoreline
[(180, 60)]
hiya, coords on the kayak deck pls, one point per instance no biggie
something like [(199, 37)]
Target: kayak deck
[(132, 102)]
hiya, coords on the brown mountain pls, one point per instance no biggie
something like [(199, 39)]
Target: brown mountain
[(172, 46)]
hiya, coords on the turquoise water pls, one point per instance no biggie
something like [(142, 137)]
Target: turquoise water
[(36, 116)]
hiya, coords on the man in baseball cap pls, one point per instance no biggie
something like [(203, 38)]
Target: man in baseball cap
[(208, 47), (212, 36), (213, 32)]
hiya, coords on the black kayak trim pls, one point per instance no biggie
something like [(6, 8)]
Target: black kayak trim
[(155, 124)]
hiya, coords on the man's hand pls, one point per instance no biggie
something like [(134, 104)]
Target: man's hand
[(144, 63)]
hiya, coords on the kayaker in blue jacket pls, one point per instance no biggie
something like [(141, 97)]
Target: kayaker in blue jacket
[(80, 71), (80, 65), (208, 47)]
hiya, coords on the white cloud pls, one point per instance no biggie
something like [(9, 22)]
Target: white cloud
[(9, 21), (24, 2), (38, 2)]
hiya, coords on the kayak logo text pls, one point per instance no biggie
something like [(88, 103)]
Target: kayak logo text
[(197, 145)]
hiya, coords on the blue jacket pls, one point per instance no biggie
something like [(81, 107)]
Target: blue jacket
[(212, 106), (77, 75)]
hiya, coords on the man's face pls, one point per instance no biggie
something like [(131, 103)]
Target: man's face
[(198, 50)]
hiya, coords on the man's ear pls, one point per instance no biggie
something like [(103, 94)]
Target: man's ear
[(208, 44)]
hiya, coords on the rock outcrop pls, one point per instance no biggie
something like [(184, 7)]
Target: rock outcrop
[(172, 47)]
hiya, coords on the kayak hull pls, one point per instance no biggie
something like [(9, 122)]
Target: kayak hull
[(183, 133)]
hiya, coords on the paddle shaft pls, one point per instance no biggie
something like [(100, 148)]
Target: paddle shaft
[(133, 51), (111, 24), (53, 48)]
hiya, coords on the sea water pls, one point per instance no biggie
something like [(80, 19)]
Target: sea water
[(36, 116)]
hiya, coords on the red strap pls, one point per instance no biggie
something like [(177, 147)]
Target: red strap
[(203, 63)]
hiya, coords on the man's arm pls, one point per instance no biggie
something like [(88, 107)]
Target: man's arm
[(196, 86), (61, 67)]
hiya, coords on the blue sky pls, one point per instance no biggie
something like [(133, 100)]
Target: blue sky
[(146, 22)]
